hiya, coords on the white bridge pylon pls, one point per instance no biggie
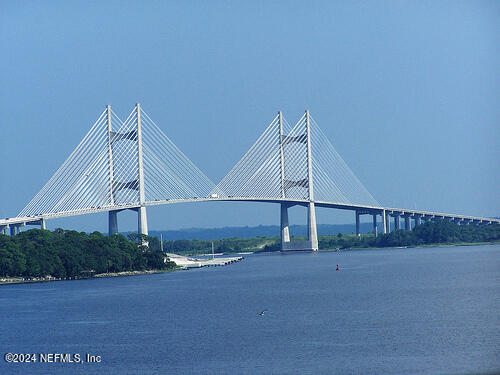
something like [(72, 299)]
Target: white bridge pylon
[(120, 164), (295, 163)]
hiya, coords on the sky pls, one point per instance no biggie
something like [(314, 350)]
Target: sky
[(407, 92)]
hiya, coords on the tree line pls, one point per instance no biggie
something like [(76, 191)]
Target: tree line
[(428, 233), (71, 254), (68, 253), (225, 245), (439, 232)]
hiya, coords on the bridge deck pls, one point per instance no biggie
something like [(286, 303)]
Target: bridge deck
[(363, 209)]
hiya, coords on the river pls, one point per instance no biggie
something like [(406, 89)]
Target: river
[(387, 311)]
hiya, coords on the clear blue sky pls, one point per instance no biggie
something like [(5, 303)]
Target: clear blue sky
[(407, 91)]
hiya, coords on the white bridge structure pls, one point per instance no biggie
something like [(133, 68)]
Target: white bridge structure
[(132, 164)]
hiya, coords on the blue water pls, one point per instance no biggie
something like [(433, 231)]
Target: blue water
[(395, 311)]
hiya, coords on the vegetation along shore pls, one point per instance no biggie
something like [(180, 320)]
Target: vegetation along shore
[(42, 255), (427, 234)]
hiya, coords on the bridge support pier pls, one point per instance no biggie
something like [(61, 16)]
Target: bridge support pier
[(142, 221), (358, 234), (285, 230), (384, 221), (387, 222), (375, 230), (15, 229), (418, 220), (407, 222), (312, 232), (397, 222), (311, 244), (112, 222)]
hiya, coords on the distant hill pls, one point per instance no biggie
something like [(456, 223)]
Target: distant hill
[(248, 232)]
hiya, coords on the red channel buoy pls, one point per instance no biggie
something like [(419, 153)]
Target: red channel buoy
[(337, 268)]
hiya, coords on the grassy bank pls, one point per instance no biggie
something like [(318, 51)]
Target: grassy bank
[(429, 234)]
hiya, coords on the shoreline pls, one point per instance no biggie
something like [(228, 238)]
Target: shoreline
[(377, 248), (419, 246), (414, 247), (22, 280)]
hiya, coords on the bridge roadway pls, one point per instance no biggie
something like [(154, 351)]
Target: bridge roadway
[(385, 212)]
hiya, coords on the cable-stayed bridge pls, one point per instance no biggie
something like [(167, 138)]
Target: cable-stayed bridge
[(132, 164)]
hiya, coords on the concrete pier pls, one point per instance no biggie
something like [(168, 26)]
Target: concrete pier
[(375, 229), (112, 222), (397, 222), (357, 224), (142, 225), (15, 229), (191, 262), (384, 221), (418, 219), (312, 233), (285, 230), (407, 222)]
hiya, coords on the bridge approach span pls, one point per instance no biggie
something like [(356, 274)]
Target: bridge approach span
[(385, 213)]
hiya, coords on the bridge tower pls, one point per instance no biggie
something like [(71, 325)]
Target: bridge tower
[(138, 184), (285, 230), (142, 217), (312, 234), (112, 215)]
